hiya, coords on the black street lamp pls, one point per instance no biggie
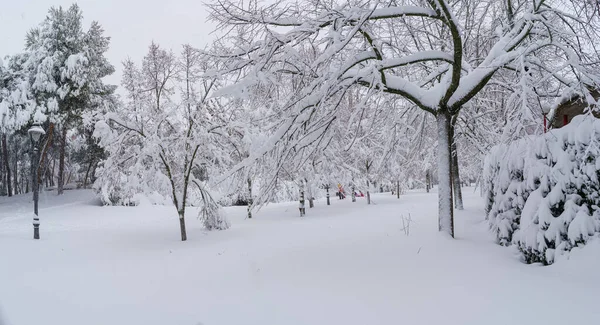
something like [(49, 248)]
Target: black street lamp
[(35, 132)]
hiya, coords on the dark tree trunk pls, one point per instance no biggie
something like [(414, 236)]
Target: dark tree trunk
[(93, 174), (6, 165), (52, 182), (48, 176), (15, 178), (2, 173), (180, 208), (456, 187), (87, 173), (61, 160), (368, 184), (398, 189), (26, 179), (250, 201), (21, 184), (446, 209), (182, 224), (301, 206)]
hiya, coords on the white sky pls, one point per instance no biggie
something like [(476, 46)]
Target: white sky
[(131, 24)]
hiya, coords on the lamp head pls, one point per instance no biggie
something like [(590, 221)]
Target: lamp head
[(36, 131)]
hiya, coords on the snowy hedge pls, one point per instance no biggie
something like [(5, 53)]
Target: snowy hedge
[(542, 193)]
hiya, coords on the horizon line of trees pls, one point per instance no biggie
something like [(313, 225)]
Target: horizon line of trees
[(293, 99)]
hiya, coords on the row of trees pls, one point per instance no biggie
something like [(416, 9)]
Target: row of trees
[(298, 97), (439, 57), (172, 133)]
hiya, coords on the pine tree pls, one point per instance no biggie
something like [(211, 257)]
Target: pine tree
[(67, 65)]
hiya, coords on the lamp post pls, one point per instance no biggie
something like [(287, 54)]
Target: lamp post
[(35, 132)]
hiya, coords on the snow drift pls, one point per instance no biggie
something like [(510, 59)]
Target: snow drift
[(542, 193)]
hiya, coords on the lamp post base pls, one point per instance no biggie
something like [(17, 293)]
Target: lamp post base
[(36, 228)]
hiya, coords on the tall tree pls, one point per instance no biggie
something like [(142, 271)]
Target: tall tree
[(428, 52), (17, 109), (67, 65)]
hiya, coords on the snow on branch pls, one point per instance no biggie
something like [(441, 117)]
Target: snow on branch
[(279, 15), (416, 58)]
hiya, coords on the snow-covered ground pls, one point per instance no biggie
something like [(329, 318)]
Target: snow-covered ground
[(347, 263)]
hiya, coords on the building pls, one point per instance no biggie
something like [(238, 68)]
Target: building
[(564, 112)]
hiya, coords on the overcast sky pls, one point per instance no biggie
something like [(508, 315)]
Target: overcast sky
[(131, 24)]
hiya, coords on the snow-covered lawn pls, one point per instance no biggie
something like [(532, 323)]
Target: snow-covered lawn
[(341, 264)]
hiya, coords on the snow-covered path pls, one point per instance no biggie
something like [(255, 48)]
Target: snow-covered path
[(341, 264)]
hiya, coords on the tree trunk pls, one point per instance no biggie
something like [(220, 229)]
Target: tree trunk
[(43, 158), (26, 179), (353, 194), (93, 174), (16, 177), (15, 170), (250, 201), (182, 224), (52, 183), (368, 192), (458, 201), (446, 211), (368, 184), (48, 176), (21, 184), (6, 165), (311, 199), (2, 173), (398, 189), (327, 188), (61, 161), (87, 172), (301, 205)]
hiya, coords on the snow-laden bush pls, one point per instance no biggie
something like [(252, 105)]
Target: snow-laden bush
[(211, 213), (542, 193)]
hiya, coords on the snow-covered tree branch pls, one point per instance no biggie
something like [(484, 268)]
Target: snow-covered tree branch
[(435, 54)]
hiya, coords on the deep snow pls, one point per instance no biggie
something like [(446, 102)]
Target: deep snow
[(347, 263)]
